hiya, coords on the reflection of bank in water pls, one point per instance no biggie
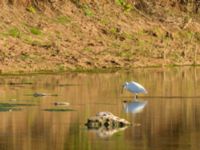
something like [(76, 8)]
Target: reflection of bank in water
[(134, 106)]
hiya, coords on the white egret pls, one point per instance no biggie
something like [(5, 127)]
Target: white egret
[(134, 87)]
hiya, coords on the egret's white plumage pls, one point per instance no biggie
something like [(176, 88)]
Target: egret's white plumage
[(134, 87)]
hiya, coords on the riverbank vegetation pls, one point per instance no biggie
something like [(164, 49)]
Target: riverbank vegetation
[(58, 35)]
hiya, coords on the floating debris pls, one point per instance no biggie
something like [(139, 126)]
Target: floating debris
[(107, 120), (61, 103)]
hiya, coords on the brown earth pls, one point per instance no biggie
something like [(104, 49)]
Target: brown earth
[(67, 35)]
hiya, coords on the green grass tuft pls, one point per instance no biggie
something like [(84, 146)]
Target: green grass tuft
[(31, 9), (14, 32), (120, 2), (87, 49), (63, 20), (24, 57), (126, 6), (35, 31), (87, 10)]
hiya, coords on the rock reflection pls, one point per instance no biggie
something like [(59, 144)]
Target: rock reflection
[(135, 106), (104, 132)]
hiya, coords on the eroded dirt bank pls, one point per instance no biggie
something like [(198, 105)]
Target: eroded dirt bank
[(58, 35)]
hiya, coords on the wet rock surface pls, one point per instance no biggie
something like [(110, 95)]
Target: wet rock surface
[(106, 120)]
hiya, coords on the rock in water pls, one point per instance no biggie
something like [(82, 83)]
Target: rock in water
[(39, 94), (43, 94), (107, 120)]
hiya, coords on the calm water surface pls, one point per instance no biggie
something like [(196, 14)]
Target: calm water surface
[(167, 118)]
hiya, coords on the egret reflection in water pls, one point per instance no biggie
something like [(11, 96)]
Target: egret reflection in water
[(134, 106)]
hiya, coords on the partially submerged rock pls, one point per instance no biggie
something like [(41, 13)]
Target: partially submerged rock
[(37, 94), (107, 120)]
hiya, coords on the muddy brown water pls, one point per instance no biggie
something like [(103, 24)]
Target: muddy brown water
[(168, 117)]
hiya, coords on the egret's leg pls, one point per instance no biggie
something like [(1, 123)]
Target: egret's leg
[(135, 96)]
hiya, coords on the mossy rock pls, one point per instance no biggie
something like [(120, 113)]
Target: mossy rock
[(107, 120)]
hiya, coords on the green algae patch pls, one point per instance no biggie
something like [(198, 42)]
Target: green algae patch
[(12, 106), (4, 109)]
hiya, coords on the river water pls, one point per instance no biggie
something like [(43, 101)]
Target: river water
[(167, 118)]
